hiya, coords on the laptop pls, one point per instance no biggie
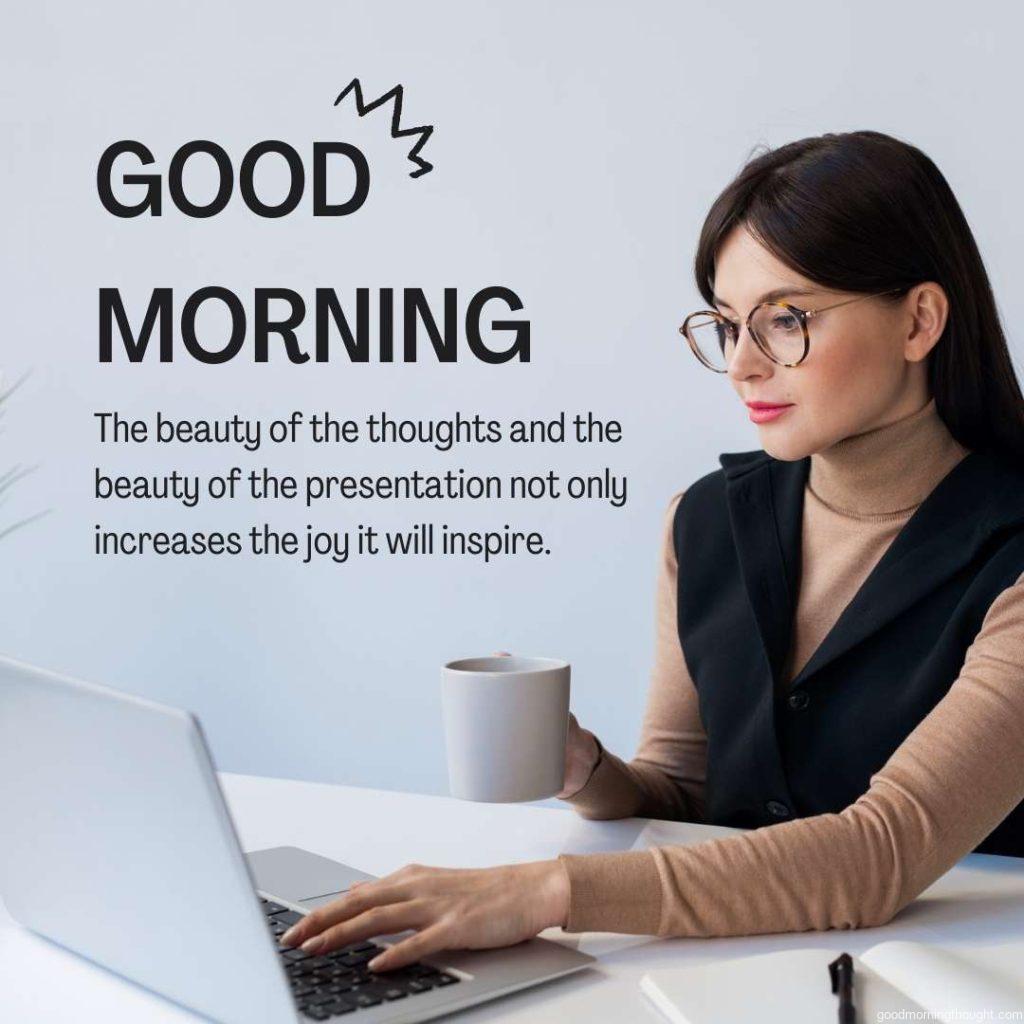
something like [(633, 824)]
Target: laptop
[(119, 846)]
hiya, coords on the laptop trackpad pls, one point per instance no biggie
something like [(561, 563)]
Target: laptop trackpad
[(300, 876)]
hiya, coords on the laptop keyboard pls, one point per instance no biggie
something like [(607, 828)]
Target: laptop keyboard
[(340, 982)]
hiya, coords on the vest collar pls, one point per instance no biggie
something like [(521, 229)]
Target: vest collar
[(981, 496)]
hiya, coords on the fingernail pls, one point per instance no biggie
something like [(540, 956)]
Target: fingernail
[(376, 962), (313, 944), (286, 939)]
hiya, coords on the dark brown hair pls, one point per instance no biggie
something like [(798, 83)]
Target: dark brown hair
[(863, 212)]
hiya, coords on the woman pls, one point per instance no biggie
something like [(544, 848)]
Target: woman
[(840, 663)]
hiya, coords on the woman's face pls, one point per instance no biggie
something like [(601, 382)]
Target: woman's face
[(865, 366)]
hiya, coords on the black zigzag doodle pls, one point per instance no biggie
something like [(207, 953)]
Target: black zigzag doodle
[(424, 131)]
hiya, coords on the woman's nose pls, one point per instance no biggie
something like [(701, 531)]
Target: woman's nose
[(747, 358)]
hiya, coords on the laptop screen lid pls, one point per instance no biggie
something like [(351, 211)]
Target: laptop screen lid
[(118, 845)]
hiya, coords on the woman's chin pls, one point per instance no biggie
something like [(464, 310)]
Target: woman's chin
[(786, 449)]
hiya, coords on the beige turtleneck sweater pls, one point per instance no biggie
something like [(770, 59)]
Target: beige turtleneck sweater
[(947, 786)]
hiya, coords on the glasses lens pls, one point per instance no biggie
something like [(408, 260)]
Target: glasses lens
[(709, 337), (779, 331)]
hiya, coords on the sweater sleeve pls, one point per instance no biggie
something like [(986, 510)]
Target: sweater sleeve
[(666, 777), (955, 777)]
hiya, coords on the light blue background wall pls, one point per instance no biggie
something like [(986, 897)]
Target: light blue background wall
[(577, 147)]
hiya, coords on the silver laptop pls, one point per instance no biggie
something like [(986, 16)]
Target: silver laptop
[(117, 844)]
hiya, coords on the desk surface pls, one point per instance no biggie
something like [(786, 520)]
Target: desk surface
[(977, 908)]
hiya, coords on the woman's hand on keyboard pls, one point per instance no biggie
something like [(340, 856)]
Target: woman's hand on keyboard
[(450, 908)]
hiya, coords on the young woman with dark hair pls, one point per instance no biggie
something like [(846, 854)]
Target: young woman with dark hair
[(839, 668)]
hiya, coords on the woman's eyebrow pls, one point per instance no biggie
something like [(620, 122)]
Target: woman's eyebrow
[(772, 296)]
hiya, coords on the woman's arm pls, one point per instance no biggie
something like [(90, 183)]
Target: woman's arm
[(666, 778), (945, 788)]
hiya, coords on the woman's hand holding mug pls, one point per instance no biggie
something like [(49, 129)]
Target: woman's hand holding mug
[(581, 752)]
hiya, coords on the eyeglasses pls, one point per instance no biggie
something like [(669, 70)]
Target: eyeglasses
[(779, 330)]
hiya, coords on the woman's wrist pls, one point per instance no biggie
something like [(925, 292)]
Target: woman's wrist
[(555, 894)]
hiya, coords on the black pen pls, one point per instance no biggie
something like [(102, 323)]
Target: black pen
[(841, 973)]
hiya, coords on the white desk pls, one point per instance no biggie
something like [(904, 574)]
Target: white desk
[(977, 908)]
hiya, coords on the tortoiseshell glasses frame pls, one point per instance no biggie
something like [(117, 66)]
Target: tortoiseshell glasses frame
[(802, 316)]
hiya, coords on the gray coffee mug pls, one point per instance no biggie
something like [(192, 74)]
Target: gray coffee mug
[(505, 723)]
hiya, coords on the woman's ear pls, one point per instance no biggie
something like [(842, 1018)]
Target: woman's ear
[(928, 307)]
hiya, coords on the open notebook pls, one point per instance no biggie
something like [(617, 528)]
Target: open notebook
[(792, 986)]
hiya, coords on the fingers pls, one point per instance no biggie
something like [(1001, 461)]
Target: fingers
[(360, 896), (395, 917), (410, 950), (368, 892)]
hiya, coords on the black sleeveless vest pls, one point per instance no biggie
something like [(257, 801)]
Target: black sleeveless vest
[(780, 751)]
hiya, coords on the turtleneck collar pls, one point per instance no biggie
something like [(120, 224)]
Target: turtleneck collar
[(886, 471)]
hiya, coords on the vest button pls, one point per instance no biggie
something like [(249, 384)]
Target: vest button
[(799, 699), (777, 809)]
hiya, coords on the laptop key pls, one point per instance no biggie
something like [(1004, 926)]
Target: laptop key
[(423, 970), (361, 957), (446, 979), (337, 1009), (352, 949), (270, 907), (395, 976)]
